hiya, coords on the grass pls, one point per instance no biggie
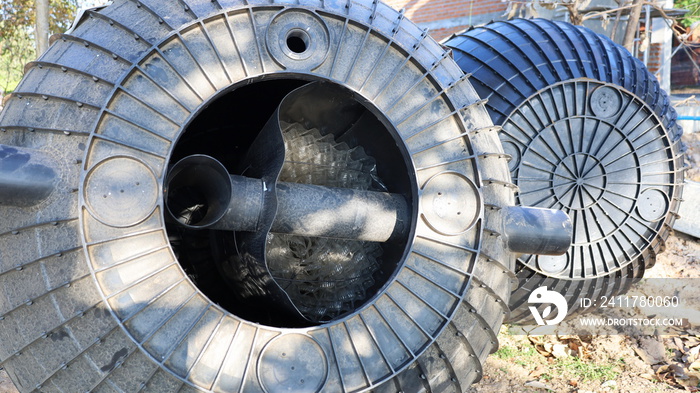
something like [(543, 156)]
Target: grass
[(588, 371), (505, 353), (571, 367), (523, 358)]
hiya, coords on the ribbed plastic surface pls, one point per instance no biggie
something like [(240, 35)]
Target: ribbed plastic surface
[(93, 295), (590, 132)]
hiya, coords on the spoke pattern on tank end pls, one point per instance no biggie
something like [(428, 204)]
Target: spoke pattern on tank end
[(171, 95), (420, 298), (433, 282), (407, 314), (458, 137), (363, 366), (441, 93), (401, 98), (570, 149), (543, 140), (445, 163), (124, 90), (206, 345), (178, 340), (395, 72), (140, 127), (159, 51), (151, 301), (248, 360), (339, 46), (604, 141), (375, 341), (229, 352), (389, 44), (397, 335), (446, 243), (526, 145), (144, 279), (536, 167), (236, 45), (199, 65), (135, 257), (124, 236), (256, 39), (626, 223), (130, 146), (360, 47), (444, 264), (216, 50), (334, 352)]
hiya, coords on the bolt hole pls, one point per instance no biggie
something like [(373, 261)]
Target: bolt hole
[(297, 41)]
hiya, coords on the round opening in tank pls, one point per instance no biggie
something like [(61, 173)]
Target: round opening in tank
[(330, 139)]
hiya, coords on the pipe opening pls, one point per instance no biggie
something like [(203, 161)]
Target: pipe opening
[(197, 195), (297, 41)]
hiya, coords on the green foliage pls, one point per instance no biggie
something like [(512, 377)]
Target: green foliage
[(506, 352), (17, 19), (520, 357), (693, 6), (15, 52), (587, 370)]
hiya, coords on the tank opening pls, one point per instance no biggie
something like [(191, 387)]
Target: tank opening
[(325, 279)]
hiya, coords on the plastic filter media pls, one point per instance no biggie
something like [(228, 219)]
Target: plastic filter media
[(324, 278)]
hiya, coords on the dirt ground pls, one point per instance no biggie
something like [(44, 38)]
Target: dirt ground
[(584, 364), (617, 363)]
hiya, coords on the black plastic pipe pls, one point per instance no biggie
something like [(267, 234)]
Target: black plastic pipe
[(25, 177)]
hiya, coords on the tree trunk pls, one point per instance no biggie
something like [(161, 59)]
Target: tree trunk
[(42, 26), (632, 25)]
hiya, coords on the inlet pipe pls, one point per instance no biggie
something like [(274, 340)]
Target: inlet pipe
[(201, 194)]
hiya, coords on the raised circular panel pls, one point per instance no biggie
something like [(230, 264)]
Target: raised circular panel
[(298, 39), (451, 203), (121, 191)]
